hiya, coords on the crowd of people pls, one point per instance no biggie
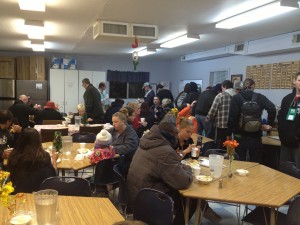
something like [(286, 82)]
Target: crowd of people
[(153, 136)]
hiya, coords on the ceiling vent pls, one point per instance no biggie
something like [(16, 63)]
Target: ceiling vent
[(145, 33), (296, 38), (239, 48), (107, 29)]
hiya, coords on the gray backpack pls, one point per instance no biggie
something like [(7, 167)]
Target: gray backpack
[(251, 112)]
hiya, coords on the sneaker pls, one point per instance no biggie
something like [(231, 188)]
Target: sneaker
[(211, 215)]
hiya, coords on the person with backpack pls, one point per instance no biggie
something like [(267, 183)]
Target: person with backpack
[(245, 122)]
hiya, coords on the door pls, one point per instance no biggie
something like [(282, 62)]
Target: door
[(7, 88), (71, 90), (57, 88)]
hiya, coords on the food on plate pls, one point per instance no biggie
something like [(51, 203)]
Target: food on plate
[(190, 162), (204, 179)]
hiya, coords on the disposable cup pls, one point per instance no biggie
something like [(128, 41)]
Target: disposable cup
[(216, 164)]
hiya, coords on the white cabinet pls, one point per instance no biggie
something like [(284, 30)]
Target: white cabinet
[(64, 88), (95, 78)]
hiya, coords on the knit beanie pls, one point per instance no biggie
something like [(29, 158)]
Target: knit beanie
[(104, 138)]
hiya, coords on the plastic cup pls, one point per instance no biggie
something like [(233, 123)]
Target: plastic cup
[(67, 145), (46, 206), (216, 164), (194, 152), (77, 121), (196, 170)]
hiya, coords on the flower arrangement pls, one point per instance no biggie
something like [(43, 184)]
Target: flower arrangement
[(174, 111), (230, 148), (6, 199)]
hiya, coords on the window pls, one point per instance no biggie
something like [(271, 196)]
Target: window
[(119, 89), (217, 77)]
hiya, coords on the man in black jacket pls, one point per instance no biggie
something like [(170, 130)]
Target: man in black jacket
[(21, 110), (289, 125), (249, 141), (92, 101)]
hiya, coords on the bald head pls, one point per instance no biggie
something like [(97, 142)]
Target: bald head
[(23, 98)]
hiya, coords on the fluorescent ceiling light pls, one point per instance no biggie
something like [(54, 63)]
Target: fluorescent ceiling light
[(182, 40), (146, 51), (257, 14), (32, 5), (35, 29), (37, 45)]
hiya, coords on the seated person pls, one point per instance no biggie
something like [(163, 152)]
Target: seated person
[(29, 164), (49, 113), (115, 107), (8, 133), (156, 165), (81, 112), (187, 112), (125, 140), (136, 106), (148, 120), (102, 149)]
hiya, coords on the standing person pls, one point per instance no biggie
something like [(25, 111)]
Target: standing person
[(192, 95), (125, 140), (104, 99), (161, 168), (29, 164), (92, 101), (157, 109), (249, 140), (21, 110), (238, 86), (8, 133), (181, 96), (204, 103), (163, 93), (219, 112), (149, 93), (289, 125)]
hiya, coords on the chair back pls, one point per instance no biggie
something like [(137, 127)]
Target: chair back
[(293, 217), (290, 169), (84, 137), (221, 152), (52, 122), (90, 129), (69, 186), (153, 207), (123, 191), (47, 135), (104, 173)]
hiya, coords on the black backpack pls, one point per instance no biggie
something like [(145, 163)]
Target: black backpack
[(251, 112)]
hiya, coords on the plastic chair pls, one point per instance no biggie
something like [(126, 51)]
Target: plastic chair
[(105, 179), (52, 122), (123, 191), (90, 129), (48, 134), (293, 217), (69, 186), (221, 152), (84, 137), (290, 169), (153, 207)]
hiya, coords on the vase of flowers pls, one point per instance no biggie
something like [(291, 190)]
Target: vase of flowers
[(230, 148), (7, 201)]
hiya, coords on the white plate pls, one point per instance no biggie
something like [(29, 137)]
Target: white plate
[(58, 160), (83, 150)]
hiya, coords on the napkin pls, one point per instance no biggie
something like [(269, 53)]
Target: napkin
[(205, 163), (79, 157)]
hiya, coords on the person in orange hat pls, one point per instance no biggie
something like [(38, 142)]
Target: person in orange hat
[(49, 113)]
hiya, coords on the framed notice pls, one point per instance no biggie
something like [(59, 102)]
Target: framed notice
[(236, 78)]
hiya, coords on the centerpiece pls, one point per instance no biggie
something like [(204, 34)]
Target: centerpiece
[(230, 148)]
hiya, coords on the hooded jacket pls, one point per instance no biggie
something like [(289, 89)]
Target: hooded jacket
[(156, 165), (235, 112)]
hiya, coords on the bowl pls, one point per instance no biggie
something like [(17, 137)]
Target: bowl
[(21, 220), (242, 172), (204, 179)]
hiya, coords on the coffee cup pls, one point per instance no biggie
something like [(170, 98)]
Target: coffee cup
[(196, 170)]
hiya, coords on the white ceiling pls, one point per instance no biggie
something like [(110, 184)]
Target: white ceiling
[(71, 21)]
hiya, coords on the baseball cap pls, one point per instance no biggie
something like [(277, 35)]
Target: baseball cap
[(238, 85), (146, 84), (160, 86)]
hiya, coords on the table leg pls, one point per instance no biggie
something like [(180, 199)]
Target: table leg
[(272, 216), (198, 212), (76, 173), (63, 172), (186, 211)]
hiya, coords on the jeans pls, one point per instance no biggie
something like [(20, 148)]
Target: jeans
[(208, 126)]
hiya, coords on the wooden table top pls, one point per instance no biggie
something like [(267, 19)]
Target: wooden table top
[(81, 210), (267, 140), (69, 162), (262, 187)]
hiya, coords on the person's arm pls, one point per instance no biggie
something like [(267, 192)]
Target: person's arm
[(129, 142), (271, 110)]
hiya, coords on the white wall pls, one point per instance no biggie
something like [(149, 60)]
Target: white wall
[(235, 65)]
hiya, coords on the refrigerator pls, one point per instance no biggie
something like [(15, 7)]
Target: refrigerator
[(37, 90), (7, 93)]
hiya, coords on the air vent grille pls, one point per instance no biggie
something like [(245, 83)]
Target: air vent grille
[(110, 28), (296, 38), (144, 31), (239, 47)]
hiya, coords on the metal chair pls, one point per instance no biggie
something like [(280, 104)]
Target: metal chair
[(52, 122), (123, 191), (290, 169), (105, 179), (90, 129), (153, 207), (47, 135), (84, 137), (221, 152), (69, 186)]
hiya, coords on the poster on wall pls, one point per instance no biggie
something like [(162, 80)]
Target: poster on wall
[(236, 78)]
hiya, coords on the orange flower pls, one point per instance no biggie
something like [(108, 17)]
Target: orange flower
[(230, 144)]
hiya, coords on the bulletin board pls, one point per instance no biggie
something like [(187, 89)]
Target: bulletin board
[(273, 76)]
